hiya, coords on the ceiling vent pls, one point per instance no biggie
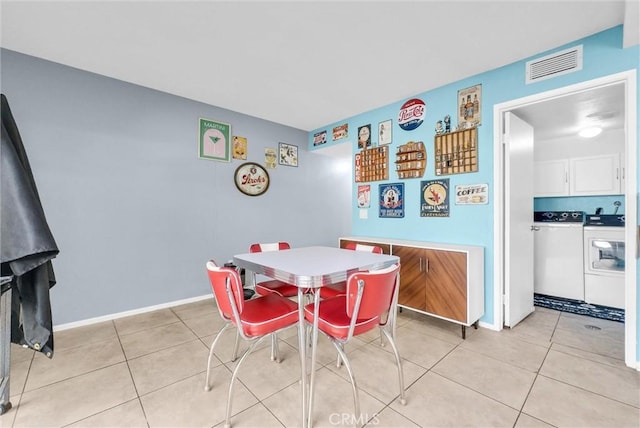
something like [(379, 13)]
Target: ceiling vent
[(556, 64)]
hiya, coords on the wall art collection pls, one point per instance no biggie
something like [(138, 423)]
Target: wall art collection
[(252, 179), (455, 151)]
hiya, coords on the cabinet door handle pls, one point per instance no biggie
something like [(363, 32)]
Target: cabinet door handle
[(426, 264), (617, 173), (420, 264), (566, 176)]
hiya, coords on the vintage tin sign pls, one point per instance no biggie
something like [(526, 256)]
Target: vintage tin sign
[(319, 138), (434, 198), (472, 194), (364, 196), (391, 203), (340, 132), (412, 114)]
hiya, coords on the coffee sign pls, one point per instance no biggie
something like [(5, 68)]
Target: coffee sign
[(472, 194)]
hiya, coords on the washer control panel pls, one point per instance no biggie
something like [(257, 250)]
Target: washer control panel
[(605, 220)]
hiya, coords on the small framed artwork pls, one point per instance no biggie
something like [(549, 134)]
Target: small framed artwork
[(340, 132), (214, 140), (364, 196), (239, 148), (384, 132), (364, 136), (288, 154), (319, 138), (470, 107), (270, 158)]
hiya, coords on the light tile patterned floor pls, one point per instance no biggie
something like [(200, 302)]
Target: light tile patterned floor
[(149, 371)]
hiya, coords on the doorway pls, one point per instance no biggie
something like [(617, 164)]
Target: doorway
[(502, 216)]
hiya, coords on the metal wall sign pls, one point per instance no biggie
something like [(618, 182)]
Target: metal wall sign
[(434, 198), (391, 202), (412, 114), (472, 194)]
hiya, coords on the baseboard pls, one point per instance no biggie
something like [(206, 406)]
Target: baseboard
[(138, 311)]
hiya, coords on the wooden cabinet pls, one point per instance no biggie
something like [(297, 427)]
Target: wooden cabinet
[(413, 291), (583, 176), (442, 280)]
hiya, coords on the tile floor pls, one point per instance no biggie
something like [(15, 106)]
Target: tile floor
[(149, 371)]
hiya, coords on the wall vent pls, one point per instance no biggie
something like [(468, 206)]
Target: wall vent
[(556, 64)]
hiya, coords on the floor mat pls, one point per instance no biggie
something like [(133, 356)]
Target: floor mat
[(578, 307)]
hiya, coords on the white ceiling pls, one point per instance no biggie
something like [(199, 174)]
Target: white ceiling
[(303, 64)]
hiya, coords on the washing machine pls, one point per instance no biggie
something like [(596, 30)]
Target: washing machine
[(558, 254), (604, 268)]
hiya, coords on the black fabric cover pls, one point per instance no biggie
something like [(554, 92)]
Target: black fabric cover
[(26, 243)]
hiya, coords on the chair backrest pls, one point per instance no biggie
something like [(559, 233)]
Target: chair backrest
[(274, 246), (361, 247), (227, 289), (370, 293)]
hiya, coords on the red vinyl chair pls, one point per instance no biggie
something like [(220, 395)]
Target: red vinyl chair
[(340, 288), (273, 286), (370, 301), (254, 319)]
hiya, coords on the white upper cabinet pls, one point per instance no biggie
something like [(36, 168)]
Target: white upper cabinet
[(582, 176), (595, 175), (551, 178)]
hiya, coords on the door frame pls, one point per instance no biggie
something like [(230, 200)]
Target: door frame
[(628, 78)]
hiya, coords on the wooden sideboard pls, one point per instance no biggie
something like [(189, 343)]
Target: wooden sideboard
[(441, 280)]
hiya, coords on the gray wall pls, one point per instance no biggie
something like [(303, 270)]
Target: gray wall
[(134, 211)]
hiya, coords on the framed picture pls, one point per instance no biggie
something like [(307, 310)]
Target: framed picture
[(288, 154), (469, 107), (319, 138), (364, 136), (239, 147), (384, 132), (270, 158), (364, 196), (214, 140), (340, 132)]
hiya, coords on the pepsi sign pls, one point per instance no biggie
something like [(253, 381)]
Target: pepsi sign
[(411, 114)]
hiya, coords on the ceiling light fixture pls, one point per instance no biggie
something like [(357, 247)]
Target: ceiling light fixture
[(590, 132)]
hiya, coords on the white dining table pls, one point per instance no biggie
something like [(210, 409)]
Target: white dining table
[(311, 268)]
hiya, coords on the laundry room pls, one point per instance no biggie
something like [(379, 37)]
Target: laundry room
[(579, 211)]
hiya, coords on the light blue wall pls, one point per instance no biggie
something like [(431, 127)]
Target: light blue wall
[(603, 55), (588, 204), (134, 211)]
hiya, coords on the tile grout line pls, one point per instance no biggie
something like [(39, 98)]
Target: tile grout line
[(126, 359)]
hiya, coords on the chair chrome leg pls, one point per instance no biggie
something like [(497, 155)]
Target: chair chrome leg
[(354, 386), (275, 351), (213, 344), (403, 399), (227, 420), (338, 359), (235, 346)]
